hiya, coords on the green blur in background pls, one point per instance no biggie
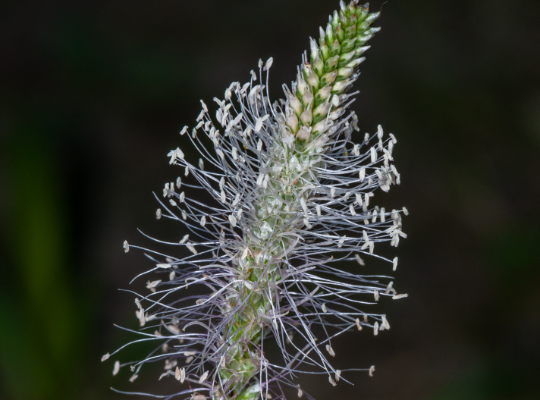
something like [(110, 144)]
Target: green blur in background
[(93, 94)]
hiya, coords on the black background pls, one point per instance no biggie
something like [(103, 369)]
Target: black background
[(93, 94)]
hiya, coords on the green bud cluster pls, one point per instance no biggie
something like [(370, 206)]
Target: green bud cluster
[(318, 93)]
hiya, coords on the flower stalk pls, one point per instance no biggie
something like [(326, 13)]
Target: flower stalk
[(290, 196)]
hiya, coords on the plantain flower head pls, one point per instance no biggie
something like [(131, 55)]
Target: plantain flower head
[(289, 191)]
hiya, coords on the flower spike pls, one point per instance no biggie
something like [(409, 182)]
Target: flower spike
[(289, 194)]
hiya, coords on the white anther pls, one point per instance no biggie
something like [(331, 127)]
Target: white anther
[(204, 106), (330, 350), (385, 322), (191, 248), (153, 284), (373, 154), (338, 375), (203, 377), (259, 123), (362, 174), (268, 64), (260, 179), (379, 132), (116, 368), (399, 296)]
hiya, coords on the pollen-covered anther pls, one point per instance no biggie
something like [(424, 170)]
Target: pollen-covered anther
[(385, 322), (116, 368), (399, 296), (153, 284), (330, 350), (332, 381)]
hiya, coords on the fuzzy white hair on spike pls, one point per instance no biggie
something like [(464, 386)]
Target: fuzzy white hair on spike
[(284, 200)]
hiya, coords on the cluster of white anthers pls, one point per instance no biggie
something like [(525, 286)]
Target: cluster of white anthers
[(288, 195)]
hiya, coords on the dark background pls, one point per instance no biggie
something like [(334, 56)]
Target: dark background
[(93, 94)]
